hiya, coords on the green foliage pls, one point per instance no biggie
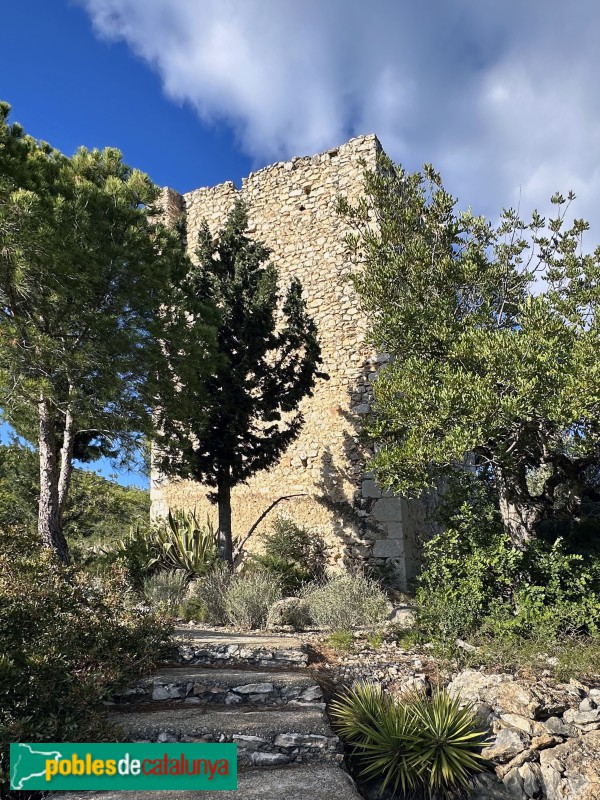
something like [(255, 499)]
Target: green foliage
[(85, 269), (493, 334), (292, 554), (193, 609), (97, 511), (223, 429), (136, 553), (249, 597), (165, 591), (211, 590), (341, 640), (241, 599), (475, 585), (425, 747), (293, 612), (346, 602), (66, 644), (183, 544)]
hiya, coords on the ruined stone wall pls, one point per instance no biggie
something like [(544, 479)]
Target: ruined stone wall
[(292, 208)]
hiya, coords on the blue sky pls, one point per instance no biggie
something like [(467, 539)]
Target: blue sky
[(502, 98)]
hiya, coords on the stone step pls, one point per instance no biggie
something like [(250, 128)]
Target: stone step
[(198, 646), (264, 737), (315, 782), (196, 685)]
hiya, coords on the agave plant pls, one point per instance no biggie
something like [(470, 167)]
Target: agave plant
[(426, 747), (185, 545)]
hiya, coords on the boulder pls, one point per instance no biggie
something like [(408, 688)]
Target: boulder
[(470, 685), (508, 743), (570, 770)]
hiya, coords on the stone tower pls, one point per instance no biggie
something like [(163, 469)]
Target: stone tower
[(292, 208)]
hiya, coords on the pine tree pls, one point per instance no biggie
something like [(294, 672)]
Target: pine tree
[(84, 270), (241, 419)]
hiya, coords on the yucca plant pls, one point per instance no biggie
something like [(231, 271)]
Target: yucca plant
[(423, 747), (184, 544), (449, 742)]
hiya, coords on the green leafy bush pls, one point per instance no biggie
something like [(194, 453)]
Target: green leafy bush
[(249, 597), (66, 644), (165, 591), (468, 569), (425, 747), (346, 602), (292, 611), (341, 640), (292, 554), (137, 553), (475, 581)]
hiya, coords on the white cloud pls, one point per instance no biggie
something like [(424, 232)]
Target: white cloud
[(501, 97)]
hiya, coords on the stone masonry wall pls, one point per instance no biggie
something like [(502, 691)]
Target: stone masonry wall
[(292, 208)]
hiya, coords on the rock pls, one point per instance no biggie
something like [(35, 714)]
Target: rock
[(555, 726), (310, 694), (249, 742), (519, 722), (514, 784), (168, 692), (544, 741), (584, 720), (232, 699), (269, 759), (587, 704), (570, 770), (489, 787), (254, 688), (469, 648), (531, 775), (289, 611), (471, 684), (403, 617), (514, 698), (508, 743)]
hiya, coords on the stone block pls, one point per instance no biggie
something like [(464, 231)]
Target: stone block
[(388, 548), (387, 509), (395, 530), (370, 489)]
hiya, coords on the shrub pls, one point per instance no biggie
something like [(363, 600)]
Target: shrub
[(341, 640), (193, 609), (136, 552), (66, 645), (468, 568), (292, 554), (165, 591), (249, 597), (345, 602), (474, 580), (425, 747), (291, 611), (210, 590)]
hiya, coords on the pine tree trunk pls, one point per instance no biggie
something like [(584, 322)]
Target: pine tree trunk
[(49, 526), (225, 537), (520, 513), (66, 464)]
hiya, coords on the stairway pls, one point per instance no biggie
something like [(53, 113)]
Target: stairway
[(250, 689)]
